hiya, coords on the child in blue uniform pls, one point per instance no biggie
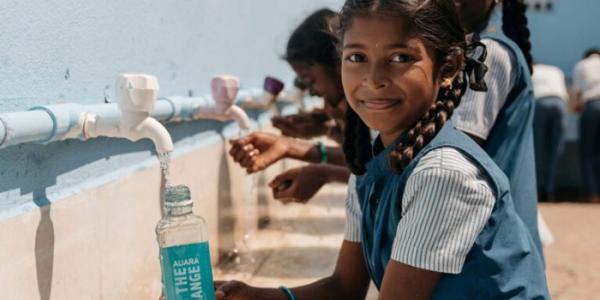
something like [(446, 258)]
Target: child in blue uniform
[(501, 119), (431, 215)]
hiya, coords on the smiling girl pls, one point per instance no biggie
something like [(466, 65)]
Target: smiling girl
[(432, 215)]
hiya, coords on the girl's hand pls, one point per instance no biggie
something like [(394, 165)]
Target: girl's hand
[(307, 125), (236, 290), (299, 184), (258, 151)]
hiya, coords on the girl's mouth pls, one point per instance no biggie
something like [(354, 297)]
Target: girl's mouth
[(379, 104)]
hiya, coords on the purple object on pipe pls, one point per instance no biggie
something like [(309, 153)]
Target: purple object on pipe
[(273, 85)]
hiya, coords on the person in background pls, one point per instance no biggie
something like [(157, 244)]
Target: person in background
[(549, 124), (312, 54), (586, 85), (501, 119)]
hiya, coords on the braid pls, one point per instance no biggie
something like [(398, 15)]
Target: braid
[(514, 25), (357, 143), (434, 119)]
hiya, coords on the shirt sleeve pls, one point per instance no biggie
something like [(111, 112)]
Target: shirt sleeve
[(446, 204), (353, 213), (477, 111)]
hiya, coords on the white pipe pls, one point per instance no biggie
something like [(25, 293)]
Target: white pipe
[(45, 124)]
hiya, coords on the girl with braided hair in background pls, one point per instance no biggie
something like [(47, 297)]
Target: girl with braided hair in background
[(312, 54), (501, 119), (432, 214)]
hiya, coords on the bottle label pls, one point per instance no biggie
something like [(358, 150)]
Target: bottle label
[(187, 272)]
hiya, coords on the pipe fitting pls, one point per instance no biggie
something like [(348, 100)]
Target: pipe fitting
[(66, 121), (137, 96), (272, 87), (224, 90)]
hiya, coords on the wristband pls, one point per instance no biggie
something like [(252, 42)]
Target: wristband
[(287, 292), (322, 151)]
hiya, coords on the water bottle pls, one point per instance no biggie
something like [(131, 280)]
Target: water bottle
[(184, 253)]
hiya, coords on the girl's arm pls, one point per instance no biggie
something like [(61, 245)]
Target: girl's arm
[(259, 150), (402, 281), (349, 281)]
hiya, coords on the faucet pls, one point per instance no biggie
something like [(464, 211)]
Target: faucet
[(272, 87), (224, 89), (137, 95), (295, 95)]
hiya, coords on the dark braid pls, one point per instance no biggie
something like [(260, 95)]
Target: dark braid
[(432, 122), (514, 25), (357, 143)]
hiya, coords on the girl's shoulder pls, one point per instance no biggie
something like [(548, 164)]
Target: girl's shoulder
[(499, 54), (448, 164)]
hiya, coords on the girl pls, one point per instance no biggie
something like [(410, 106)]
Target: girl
[(501, 119), (432, 216), (312, 53)]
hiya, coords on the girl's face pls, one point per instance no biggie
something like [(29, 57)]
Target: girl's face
[(320, 81), (388, 77)]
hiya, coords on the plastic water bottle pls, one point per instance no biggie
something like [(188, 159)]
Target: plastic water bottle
[(184, 253)]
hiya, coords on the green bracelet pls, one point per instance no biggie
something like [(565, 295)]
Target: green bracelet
[(323, 152), (288, 292)]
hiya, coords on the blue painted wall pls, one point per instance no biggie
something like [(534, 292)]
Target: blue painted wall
[(561, 36), (72, 50)]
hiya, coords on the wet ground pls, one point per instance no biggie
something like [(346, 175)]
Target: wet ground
[(302, 241)]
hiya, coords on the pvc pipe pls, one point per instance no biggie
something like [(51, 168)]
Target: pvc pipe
[(45, 124)]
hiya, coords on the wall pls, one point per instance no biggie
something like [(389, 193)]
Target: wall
[(71, 51), (561, 36)]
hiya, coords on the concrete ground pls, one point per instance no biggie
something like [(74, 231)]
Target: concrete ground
[(302, 241)]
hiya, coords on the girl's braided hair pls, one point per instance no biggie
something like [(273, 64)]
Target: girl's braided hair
[(514, 25), (437, 23)]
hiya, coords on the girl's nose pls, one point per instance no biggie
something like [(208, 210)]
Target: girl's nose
[(377, 78)]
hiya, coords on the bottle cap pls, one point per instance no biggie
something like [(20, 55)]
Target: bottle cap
[(177, 196)]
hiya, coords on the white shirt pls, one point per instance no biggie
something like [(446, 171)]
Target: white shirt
[(549, 81), (586, 78), (446, 203), (477, 112)]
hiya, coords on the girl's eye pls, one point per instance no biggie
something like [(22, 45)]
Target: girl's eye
[(356, 58), (402, 58)]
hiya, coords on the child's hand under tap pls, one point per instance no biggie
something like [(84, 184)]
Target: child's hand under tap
[(258, 151), (299, 184), (305, 125)]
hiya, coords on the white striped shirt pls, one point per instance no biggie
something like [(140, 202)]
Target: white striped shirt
[(478, 111), (446, 203)]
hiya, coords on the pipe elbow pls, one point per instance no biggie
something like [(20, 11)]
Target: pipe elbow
[(151, 129), (239, 115)]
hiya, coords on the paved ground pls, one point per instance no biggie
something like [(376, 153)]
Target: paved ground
[(302, 243)]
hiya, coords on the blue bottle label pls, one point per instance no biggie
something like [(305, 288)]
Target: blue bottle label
[(187, 272)]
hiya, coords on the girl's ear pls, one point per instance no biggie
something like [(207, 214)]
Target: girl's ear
[(450, 69)]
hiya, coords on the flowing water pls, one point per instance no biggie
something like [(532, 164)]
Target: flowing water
[(243, 253), (165, 160)]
